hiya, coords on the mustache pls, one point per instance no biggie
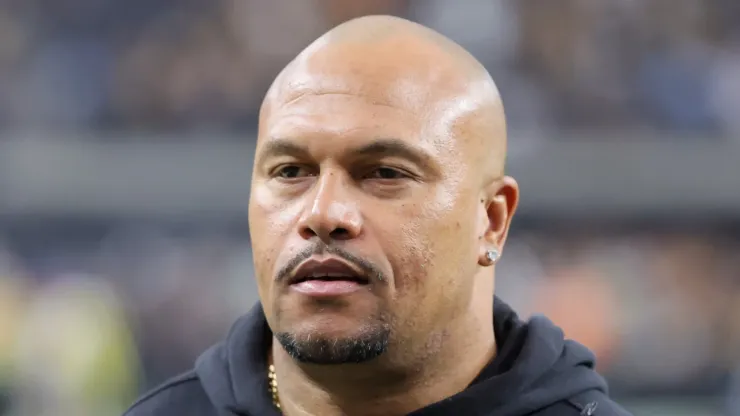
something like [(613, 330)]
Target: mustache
[(367, 267)]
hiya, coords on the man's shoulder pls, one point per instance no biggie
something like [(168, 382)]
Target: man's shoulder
[(181, 395), (592, 403)]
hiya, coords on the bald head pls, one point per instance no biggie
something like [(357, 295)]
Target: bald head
[(394, 62)]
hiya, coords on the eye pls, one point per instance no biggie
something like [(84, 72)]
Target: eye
[(386, 173), (292, 172)]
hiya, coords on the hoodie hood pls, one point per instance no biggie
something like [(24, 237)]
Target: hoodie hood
[(535, 368), (233, 373)]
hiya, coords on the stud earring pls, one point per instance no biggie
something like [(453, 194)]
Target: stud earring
[(492, 255)]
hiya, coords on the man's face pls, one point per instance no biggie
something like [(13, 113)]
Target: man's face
[(364, 217)]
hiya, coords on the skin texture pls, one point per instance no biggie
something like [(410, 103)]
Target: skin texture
[(382, 143)]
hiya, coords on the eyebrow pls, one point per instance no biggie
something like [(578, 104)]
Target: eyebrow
[(282, 147), (380, 147), (397, 148)]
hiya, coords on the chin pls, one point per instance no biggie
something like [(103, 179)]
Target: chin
[(333, 345), (332, 334)]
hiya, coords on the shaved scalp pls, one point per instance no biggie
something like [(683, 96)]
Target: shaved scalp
[(414, 67)]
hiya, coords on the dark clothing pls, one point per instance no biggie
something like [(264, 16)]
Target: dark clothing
[(535, 373)]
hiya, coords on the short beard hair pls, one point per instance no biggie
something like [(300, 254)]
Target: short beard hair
[(314, 349)]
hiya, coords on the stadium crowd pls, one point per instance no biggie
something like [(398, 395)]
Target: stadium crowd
[(201, 65)]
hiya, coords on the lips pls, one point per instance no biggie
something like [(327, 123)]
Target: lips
[(329, 270), (331, 277)]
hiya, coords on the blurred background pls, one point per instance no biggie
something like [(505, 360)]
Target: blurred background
[(126, 137)]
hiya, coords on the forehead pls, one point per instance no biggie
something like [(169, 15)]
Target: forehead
[(339, 119), (347, 93)]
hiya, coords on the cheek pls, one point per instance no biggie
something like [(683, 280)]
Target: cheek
[(433, 243)]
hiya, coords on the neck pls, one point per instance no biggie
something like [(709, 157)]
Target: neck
[(385, 386)]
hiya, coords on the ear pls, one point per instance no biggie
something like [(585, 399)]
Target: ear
[(499, 202)]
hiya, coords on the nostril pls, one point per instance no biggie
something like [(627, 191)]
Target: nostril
[(308, 232), (340, 234)]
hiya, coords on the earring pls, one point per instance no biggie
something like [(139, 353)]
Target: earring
[(492, 255)]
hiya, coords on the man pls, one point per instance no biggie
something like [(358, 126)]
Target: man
[(378, 209)]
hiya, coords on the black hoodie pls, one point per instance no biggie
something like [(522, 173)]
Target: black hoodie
[(536, 372)]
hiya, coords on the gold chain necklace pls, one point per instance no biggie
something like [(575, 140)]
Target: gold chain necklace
[(273, 386)]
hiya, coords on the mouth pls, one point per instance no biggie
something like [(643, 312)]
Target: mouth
[(330, 277)]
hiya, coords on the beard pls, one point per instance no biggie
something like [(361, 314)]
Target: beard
[(315, 349)]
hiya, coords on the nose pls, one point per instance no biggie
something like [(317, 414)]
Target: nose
[(330, 213)]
